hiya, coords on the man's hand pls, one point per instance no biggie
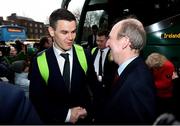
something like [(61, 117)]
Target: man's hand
[(76, 113)]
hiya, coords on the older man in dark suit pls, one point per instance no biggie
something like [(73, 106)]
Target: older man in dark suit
[(133, 97)]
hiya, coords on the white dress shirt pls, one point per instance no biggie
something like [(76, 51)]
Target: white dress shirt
[(96, 62), (61, 60)]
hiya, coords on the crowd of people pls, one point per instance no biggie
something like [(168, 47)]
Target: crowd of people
[(108, 83)]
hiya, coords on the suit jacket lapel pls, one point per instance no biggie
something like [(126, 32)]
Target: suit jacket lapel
[(126, 72)]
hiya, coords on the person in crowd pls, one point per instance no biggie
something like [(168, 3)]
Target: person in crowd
[(162, 70), (44, 43), (172, 117), (61, 89), (6, 61), (21, 70), (21, 50), (92, 37), (12, 55), (105, 69), (166, 119), (15, 108), (133, 97), (19, 45), (36, 47), (4, 70)]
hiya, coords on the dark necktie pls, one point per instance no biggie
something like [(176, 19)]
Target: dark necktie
[(100, 63), (116, 78), (66, 70)]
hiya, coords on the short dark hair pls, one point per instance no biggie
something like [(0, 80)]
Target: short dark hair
[(60, 14), (95, 27), (102, 32)]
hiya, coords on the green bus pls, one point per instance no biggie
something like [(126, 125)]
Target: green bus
[(161, 19)]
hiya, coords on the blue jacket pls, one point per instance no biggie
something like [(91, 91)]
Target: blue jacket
[(15, 108)]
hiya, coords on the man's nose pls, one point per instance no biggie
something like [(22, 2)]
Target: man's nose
[(70, 36)]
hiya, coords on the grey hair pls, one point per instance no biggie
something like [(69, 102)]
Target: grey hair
[(134, 30)]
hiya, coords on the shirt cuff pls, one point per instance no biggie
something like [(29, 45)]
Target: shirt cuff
[(68, 116)]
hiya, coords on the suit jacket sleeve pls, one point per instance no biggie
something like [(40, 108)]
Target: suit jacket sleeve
[(15, 108)]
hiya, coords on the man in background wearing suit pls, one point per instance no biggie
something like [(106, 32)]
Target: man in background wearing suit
[(105, 69), (92, 37), (63, 97), (133, 96)]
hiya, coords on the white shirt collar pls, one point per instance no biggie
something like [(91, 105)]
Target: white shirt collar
[(105, 49), (58, 51)]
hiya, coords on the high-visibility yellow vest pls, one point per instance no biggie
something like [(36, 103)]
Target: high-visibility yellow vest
[(93, 50), (43, 65)]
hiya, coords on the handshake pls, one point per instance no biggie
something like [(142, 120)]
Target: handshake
[(77, 113)]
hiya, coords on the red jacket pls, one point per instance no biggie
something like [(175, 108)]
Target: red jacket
[(163, 79)]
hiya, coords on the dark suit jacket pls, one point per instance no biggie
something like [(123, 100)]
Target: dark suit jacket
[(110, 69), (103, 88), (133, 97), (15, 108), (52, 101)]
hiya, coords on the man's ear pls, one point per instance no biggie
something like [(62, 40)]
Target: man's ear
[(126, 43), (51, 31)]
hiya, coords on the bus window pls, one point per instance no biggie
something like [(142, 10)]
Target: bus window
[(92, 18), (89, 7)]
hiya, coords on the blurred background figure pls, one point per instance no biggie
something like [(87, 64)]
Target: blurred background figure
[(163, 70), (172, 117), (44, 43), (21, 50), (12, 55), (13, 51), (4, 70), (166, 119), (19, 46), (92, 37), (21, 71), (6, 61)]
